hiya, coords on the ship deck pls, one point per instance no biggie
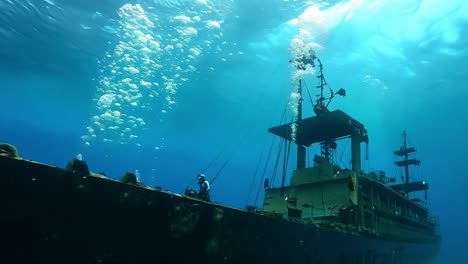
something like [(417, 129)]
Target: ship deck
[(51, 215)]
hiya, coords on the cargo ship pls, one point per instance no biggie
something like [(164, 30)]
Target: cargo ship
[(326, 214)]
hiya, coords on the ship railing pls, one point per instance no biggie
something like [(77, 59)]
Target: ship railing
[(375, 175)]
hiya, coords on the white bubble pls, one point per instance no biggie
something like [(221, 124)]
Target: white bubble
[(188, 32), (85, 27), (213, 24), (183, 19), (169, 48), (109, 29), (105, 100), (154, 44), (146, 84), (132, 70), (145, 50), (203, 2), (194, 51)]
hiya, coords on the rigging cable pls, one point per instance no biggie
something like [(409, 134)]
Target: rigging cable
[(190, 184), (232, 155), (224, 164), (268, 159), (255, 175), (308, 92), (277, 158), (342, 152), (219, 172), (275, 169), (206, 169), (213, 161), (287, 150)]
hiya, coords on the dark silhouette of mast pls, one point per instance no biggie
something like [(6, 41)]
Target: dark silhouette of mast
[(301, 64), (319, 107), (404, 152), (301, 150)]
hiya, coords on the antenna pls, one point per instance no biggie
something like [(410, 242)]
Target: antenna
[(320, 106)]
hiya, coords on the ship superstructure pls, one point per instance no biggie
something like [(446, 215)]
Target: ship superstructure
[(349, 200)]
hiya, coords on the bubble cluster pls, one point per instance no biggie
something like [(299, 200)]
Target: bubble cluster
[(302, 54), (140, 77)]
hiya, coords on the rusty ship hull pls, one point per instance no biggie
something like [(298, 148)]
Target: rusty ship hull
[(51, 215)]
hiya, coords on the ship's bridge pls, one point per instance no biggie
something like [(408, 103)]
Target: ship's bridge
[(319, 192), (327, 126)]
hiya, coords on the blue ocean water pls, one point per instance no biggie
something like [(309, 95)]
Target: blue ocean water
[(174, 88)]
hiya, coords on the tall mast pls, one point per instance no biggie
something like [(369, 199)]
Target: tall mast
[(404, 152), (301, 150), (406, 158), (319, 108)]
